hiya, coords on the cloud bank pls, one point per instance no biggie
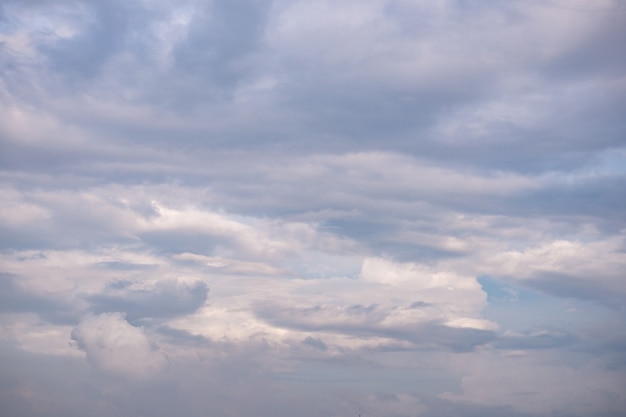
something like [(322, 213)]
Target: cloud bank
[(286, 207)]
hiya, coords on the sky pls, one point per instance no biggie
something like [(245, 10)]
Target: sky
[(261, 208)]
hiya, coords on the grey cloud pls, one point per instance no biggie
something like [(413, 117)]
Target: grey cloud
[(367, 321), (14, 298), (66, 220), (163, 300), (440, 408), (316, 343), (419, 304), (104, 29), (599, 197), (613, 349), (455, 339), (124, 266), (221, 35), (181, 337), (185, 241), (601, 52), (17, 239), (535, 339), (574, 286), (194, 386), (44, 371)]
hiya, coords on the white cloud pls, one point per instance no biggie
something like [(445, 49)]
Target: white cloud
[(32, 334), (390, 304), (113, 345), (230, 265), (454, 299)]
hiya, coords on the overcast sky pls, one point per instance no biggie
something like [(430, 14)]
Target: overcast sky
[(315, 208)]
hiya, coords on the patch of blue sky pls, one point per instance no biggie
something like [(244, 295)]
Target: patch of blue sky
[(613, 162), (518, 308), (607, 163)]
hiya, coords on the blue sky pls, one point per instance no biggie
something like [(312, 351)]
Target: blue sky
[(239, 208)]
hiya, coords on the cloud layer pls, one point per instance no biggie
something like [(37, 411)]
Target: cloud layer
[(287, 207)]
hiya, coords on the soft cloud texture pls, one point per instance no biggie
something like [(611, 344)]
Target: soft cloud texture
[(113, 345), (287, 207)]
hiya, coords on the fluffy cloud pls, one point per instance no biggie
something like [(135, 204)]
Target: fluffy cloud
[(113, 345)]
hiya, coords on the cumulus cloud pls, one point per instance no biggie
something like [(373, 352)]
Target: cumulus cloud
[(454, 299), (114, 346), (391, 306)]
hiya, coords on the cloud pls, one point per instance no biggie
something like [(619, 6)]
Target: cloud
[(114, 346), (532, 385), (212, 50), (230, 265), (162, 300), (403, 305), (452, 298), (16, 299), (387, 327), (564, 268), (315, 343), (342, 175), (537, 339)]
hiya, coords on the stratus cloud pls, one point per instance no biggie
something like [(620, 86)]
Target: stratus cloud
[(114, 346)]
